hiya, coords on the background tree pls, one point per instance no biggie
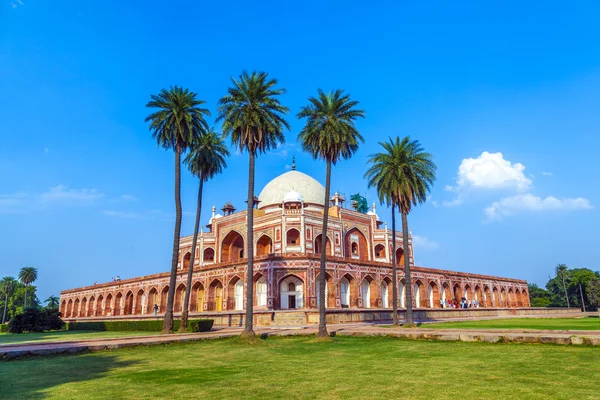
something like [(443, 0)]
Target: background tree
[(416, 174), (329, 135), (384, 174), (593, 292), (252, 116), (27, 275), (205, 160), (580, 279), (52, 303), (538, 297), (177, 123), (561, 270), (7, 286)]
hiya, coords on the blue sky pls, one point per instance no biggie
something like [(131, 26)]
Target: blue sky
[(86, 194)]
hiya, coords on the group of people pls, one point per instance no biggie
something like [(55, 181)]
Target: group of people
[(463, 303)]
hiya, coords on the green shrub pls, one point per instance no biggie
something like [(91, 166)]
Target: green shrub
[(33, 319), (3, 327), (194, 325)]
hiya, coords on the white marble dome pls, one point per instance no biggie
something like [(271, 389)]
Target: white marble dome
[(293, 197), (275, 191)]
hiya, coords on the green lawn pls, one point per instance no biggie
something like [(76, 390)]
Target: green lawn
[(586, 323), (59, 336), (299, 367)]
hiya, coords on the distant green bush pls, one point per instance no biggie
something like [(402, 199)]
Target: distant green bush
[(34, 319), (3, 327), (194, 325)]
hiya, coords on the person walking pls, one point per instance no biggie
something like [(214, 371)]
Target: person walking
[(155, 309)]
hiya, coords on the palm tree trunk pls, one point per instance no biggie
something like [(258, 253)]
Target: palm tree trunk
[(168, 319), (565, 287), (408, 286), (322, 264), (25, 299), (248, 331), (581, 293), (188, 286), (394, 270), (5, 307)]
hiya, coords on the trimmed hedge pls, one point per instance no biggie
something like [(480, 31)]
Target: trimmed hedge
[(194, 325), (3, 327)]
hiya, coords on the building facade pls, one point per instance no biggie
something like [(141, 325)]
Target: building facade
[(288, 218)]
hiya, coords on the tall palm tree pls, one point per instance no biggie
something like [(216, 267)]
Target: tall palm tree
[(7, 285), (205, 160), (384, 175), (52, 302), (413, 174), (329, 135), (561, 270), (27, 275), (252, 116), (176, 123)]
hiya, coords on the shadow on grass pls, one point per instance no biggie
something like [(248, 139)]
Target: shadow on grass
[(30, 378), (33, 337)]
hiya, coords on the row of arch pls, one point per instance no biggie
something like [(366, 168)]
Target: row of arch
[(290, 293), (232, 247)]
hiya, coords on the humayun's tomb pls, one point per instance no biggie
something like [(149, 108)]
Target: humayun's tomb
[(287, 242)]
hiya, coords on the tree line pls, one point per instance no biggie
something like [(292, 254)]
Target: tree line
[(573, 288), (254, 120)]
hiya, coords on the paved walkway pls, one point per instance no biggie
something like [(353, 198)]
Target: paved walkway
[(576, 337)]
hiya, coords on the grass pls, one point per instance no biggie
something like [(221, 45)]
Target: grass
[(585, 323), (300, 367), (58, 336)]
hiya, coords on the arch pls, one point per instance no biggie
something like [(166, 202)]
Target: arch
[(215, 296), (348, 291), (525, 298), (318, 245), (420, 295), (446, 293), (487, 296), (503, 302), (99, 305), (128, 306), (518, 298), (457, 291), (478, 295), (139, 302), (434, 295), (468, 293), (495, 297), (186, 260), (108, 304), (291, 292), (75, 308), (69, 312), (197, 297), (83, 308), (329, 291), (400, 256), (235, 293), (118, 301), (151, 300), (232, 247), (379, 251), (292, 237), (511, 300), (402, 293), (368, 290), (179, 298), (63, 308), (91, 309), (164, 293), (264, 245), (208, 256), (260, 290), (356, 245), (387, 293)]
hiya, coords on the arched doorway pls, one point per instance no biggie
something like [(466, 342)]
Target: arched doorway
[(291, 293), (420, 295), (235, 292), (503, 302), (356, 245), (197, 297), (402, 293), (151, 301), (99, 305), (264, 246), (386, 293), (179, 298), (209, 255), (478, 295), (108, 305), (91, 309), (487, 296), (76, 308), (293, 237), (446, 293), (186, 260), (519, 298), (318, 245), (468, 294), (329, 291), (215, 296), (83, 308), (511, 298), (400, 256), (139, 302), (457, 292), (63, 308), (118, 304), (232, 247), (260, 288), (128, 307), (163, 299), (369, 292), (379, 251), (348, 292), (434, 296), (69, 312)]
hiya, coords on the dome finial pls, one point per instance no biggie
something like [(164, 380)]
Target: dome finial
[(293, 163)]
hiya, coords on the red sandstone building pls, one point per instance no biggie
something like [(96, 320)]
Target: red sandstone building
[(287, 242)]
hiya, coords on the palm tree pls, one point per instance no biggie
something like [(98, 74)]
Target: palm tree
[(253, 116), (7, 285), (384, 175), (561, 270), (410, 178), (52, 302), (205, 160), (329, 135), (27, 275), (176, 124)]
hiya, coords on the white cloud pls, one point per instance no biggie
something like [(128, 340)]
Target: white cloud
[(422, 243), (120, 214), (287, 167), (490, 171), (527, 202), (547, 173), (127, 197), (62, 194), (13, 202)]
